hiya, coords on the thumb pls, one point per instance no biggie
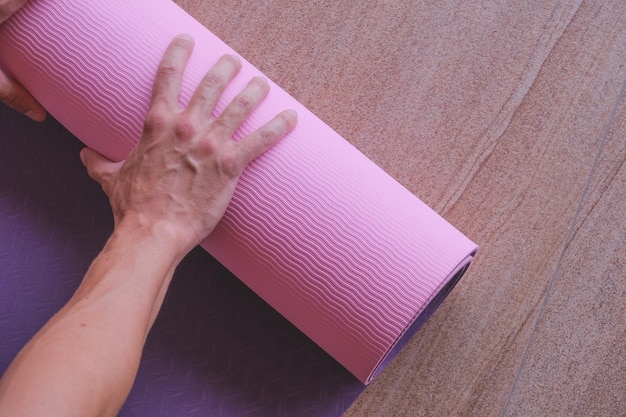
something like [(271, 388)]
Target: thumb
[(100, 168), (7, 8), (15, 96)]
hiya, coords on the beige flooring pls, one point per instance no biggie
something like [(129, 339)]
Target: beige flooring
[(508, 118)]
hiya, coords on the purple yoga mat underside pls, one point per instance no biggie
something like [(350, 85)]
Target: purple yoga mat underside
[(216, 348), (328, 239)]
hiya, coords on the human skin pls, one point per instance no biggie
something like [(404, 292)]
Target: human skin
[(166, 197), (12, 93)]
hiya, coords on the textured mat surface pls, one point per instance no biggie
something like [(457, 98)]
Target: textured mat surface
[(216, 348), (318, 230)]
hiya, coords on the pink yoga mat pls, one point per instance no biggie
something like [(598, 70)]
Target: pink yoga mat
[(315, 228)]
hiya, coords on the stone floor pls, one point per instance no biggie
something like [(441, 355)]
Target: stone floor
[(509, 119)]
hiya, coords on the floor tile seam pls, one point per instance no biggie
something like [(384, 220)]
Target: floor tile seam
[(604, 186), (500, 124), (566, 242)]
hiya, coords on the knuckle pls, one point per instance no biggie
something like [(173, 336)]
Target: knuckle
[(213, 82), (205, 147), (186, 129), (156, 120), (167, 70), (267, 137), (229, 164), (244, 103)]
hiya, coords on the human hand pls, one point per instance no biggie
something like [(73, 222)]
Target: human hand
[(11, 92), (8, 7), (184, 170)]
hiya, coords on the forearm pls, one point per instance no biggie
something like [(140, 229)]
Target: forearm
[(83, 362), (167, 195)]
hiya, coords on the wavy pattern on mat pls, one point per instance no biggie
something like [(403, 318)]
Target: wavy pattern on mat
[(315, 228)]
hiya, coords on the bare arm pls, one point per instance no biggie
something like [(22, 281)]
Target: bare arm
[(166, 197), (11, 92)]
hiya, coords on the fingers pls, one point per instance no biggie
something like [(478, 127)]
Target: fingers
[(11, 92), (15, 96), (8, 7), (169, 78), (242, 105), (267, 136), (166, 91), (212, 86), (100, 168)]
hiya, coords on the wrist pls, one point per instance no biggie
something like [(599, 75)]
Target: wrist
[(140, 256), (162, 235)]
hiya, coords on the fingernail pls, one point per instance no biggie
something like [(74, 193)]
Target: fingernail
[(35, 115), (81, 154), (185, 36)]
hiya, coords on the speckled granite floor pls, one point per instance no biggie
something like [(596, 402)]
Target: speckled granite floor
[(508, 118)]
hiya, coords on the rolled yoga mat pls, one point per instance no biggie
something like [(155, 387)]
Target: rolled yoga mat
[(320, 232)]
